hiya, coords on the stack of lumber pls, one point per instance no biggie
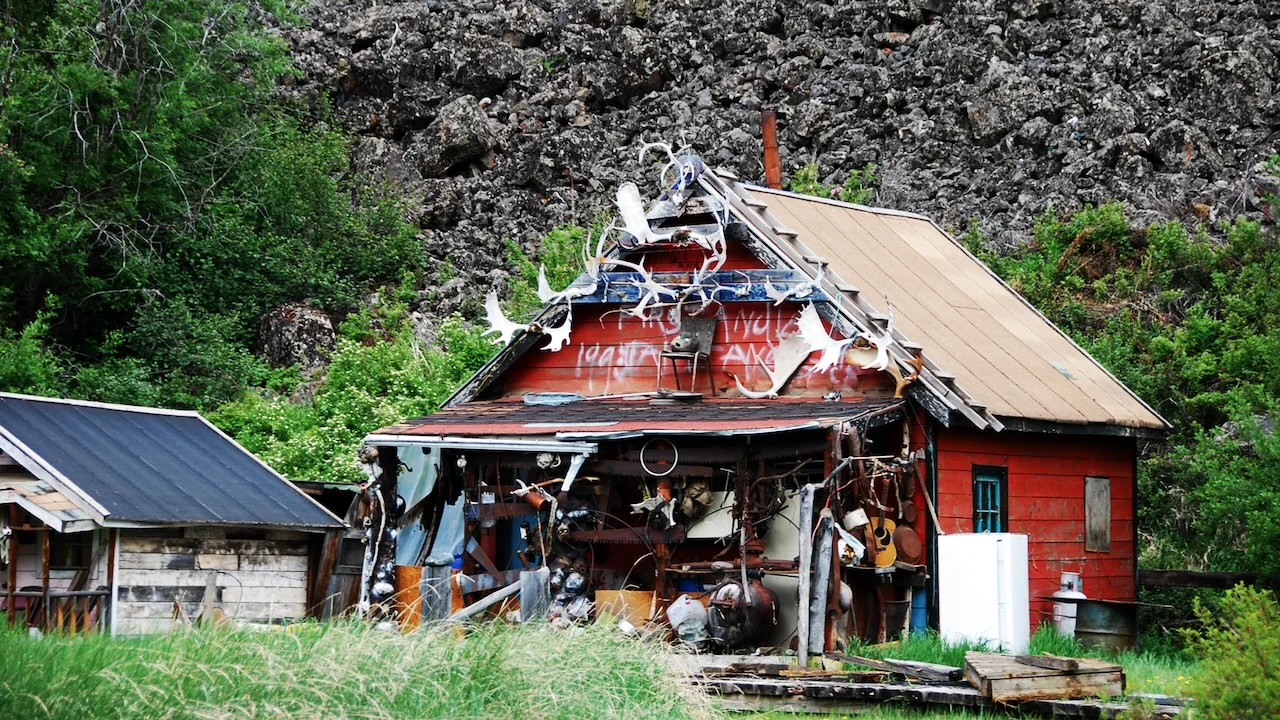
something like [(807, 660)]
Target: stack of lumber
[(1043, 685), (1019, 678)]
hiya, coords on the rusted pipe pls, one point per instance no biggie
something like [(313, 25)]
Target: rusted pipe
[(772, 164)]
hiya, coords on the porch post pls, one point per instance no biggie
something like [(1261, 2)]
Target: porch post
[(10, 611), (44, 573), (107, 612)]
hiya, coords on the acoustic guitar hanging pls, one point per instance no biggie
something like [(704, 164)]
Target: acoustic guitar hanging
[(886, 553)]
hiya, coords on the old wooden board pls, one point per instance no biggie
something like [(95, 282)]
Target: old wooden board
[(1005, 680), (757, 695), (906, 668), (1051, 662)]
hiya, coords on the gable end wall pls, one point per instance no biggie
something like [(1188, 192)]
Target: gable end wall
[(1046, 501)]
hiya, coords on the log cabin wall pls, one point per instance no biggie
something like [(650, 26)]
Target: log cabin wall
[(1046, 499), (260, 575)]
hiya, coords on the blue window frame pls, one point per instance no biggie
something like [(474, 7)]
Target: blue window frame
[(990, 498)]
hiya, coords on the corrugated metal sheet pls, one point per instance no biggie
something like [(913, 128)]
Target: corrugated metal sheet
[(153, 466), (970, 323), (607, 417)]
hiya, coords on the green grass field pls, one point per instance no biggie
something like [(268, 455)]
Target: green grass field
[(343, 671), (347, 670)]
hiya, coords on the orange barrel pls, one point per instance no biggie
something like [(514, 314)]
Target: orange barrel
[(409, 596)]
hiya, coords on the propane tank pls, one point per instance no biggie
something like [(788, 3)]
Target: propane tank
[(1064, 613)]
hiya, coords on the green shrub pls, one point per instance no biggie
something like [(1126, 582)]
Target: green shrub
[(1239, 651), (27, 364), (858, 188)]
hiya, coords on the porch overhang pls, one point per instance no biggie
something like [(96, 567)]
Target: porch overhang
[(573, 428), (46, 503)]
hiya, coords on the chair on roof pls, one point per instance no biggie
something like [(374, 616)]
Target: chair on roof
[(691, 344)]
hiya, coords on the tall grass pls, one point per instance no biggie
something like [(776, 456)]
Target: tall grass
[(343, 671), (1161, 670)]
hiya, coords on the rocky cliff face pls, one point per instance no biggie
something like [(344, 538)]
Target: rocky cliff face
[(501, 118)]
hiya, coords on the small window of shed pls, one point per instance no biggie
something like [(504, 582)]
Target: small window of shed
[(1097, 514)]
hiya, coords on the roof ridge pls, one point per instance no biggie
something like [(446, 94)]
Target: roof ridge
[(103, 405)]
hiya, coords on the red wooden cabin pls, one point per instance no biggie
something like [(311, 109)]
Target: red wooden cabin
[(998, 424)]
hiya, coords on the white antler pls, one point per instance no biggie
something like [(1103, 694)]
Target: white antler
[(498, 323)]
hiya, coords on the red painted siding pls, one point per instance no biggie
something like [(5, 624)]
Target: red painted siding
[(1046, 501), (610, 353)]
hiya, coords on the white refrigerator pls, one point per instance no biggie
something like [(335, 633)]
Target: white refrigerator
[(983, 593)]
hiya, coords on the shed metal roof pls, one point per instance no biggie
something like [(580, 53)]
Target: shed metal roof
[(970, 323), (151, 466), (614, 418)]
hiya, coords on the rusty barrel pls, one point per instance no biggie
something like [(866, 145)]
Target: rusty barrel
[(409, 596), (1110, 624)]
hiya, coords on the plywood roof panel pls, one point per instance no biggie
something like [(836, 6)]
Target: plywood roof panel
[(1000, 349)]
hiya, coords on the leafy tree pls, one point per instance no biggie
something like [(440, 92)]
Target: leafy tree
[(158, 182)]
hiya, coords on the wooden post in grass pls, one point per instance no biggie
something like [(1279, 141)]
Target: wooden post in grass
[(535, 594), (437, 593), (805, 571)]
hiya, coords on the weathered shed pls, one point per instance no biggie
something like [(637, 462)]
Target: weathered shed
[(126, 518), (804, 404)]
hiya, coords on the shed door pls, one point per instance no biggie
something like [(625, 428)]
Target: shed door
[(990, 499)]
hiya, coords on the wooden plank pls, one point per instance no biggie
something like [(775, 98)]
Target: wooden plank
[(1051, 662), (907, 668), (1097, 514), (535, 595), (437, 593), (805, 532), (1057, 687), (1195, 578), (144, 544), (822, 562)]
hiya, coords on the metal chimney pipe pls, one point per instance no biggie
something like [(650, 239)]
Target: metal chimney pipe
[(772, 164)]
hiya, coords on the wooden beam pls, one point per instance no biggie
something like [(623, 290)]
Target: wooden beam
[(13, 564), (44, 575), (1195, 578), (105, 609), (725, 286), (535, 594), (1049, 662), (319, 585), (805, 571), (489, 600), (822, 578), (907, 668)]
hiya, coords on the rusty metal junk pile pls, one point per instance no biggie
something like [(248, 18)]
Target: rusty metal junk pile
[(658, 533)]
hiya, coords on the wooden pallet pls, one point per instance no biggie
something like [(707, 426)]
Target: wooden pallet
[(1009, 679)]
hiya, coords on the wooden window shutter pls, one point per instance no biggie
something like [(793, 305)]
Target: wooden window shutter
[(1097, 514)]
